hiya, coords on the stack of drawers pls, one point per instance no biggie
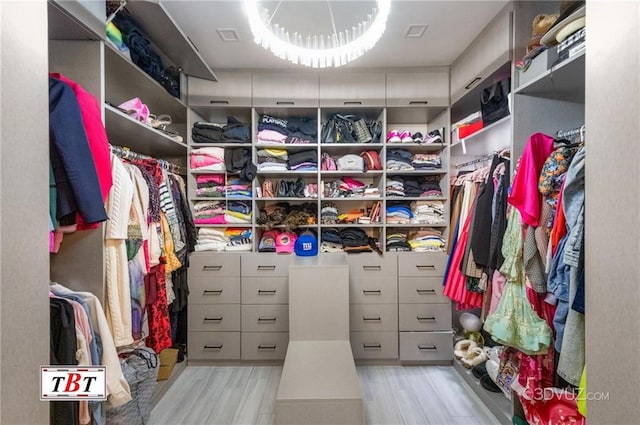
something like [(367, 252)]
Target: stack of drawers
[(424, 312), (373, 298), (214, 307), (265, 306)]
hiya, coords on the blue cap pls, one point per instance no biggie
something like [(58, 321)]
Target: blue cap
[(306, 245)]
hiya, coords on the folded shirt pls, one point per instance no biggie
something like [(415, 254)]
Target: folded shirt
[(270, 136), (273, 153)]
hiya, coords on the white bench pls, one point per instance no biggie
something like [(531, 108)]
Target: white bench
[(319, 383)]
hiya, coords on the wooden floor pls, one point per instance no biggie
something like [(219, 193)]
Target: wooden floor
[(245, 395)]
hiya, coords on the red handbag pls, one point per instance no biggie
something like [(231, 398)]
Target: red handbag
[(371, 160)]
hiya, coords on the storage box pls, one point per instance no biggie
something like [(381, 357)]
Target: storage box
[(539, 65), (168, 359)]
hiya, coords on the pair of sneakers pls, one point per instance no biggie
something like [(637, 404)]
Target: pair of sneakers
[(395, 136)]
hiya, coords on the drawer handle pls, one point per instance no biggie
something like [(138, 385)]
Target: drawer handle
[(267, 347), (418, 102), (266, 291), (426, 291), (212, 292), (353, 102), (429, 267), (372, 292), (285, 102), (211, 268), (472, 83), (219, 102), (213, 347), (267, 319), (213, 319), (372, 346), (424, 319), (271, 268), (372, 268), (372, 319), (427, 347)]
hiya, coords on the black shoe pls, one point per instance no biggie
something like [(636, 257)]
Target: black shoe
[(480, 370), (488, 384), (433, 137)]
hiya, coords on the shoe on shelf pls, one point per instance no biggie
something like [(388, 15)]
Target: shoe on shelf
[(462, 347), (417, 138), (474, 357), (433, 137), (160, 122), (136, 109), (394, 137), (406, 137), (479, 370)]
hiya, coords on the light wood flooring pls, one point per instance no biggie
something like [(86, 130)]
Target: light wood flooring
[(393, 395)]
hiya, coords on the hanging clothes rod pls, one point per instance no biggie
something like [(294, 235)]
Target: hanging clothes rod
[(126, 153), (504, 153), (563, 134)]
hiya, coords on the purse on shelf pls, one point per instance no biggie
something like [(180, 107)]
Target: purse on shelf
[(494, 103), (371, 160), (327, 163)]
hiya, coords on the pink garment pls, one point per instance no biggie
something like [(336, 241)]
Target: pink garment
[(497, 286), (271, 136), (210, 178), (219, 219), (456, 286), (200, 161), (524, 193), (97, 137)]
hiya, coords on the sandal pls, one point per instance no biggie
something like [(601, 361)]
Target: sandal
[(474, 357), (136, 109), (462, 348), (161, 121)]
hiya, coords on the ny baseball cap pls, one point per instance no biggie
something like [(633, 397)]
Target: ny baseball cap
[(285, 242), (306, 245)]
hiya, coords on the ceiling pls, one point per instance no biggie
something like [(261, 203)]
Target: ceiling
[(452, 25)]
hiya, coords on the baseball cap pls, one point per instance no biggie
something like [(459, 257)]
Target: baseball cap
[(285, 242), (306, 245), (268, 241)]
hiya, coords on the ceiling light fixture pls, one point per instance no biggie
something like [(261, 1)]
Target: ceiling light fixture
[(317, 51)]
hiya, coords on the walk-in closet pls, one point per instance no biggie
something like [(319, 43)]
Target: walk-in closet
[(319, 212)]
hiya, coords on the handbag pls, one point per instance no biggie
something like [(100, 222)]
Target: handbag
[(338, 129), (350, 162), (328, 164), (494, 103), (371, 160), (375, 128)]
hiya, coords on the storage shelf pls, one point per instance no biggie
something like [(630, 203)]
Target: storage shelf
[(341, 225), (416, 172), (198, 171), (418, 147), (497, 403), (483, 130), (219, 145), (124, 80), (341, 146), (123, 130), (412, 225), (354, 198), (288, 146), (352, 173), (284, 198), (415, 198), (70, 20), (564, 81), (169, 38), (220, 199), (288, 174)]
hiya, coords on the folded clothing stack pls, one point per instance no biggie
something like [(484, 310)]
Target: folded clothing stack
[(238, 212), (395, 186), (229, 239), (210, 186), (208, 159), (397, 242), (294, 130), (428, 212), (238, 188), (423, 161), (272, 159), (306, 160), (355, 240), (289, 215), (427, 240), (232, 132), (399, 160), (329, 213), (238, 160), (399, 214), (209, 212)]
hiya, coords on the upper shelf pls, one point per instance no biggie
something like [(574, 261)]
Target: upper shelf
[(167, 35), (125, 131), (76, 20), (564, 81)]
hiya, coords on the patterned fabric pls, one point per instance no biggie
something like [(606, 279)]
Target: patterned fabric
[(514, 322), (154, 197), (552, 174), (159, 323)]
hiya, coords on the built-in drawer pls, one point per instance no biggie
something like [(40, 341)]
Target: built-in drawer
[(422, 264), (373, 317), (214, 318), (264, 265), (265, 290), (264, 346), (374, 345), (372, 265), (214, 345), (426, 346), (218, 290), (425, 317), (421, 290), (209, 266), (265, 318), (373, 290)]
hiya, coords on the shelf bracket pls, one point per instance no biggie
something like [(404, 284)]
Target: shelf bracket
[(123, 3)]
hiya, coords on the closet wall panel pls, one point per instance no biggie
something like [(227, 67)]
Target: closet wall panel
[(612, 204), (24, 182)]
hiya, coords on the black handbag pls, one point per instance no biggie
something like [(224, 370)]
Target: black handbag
[(494, 103), (338, 129)]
